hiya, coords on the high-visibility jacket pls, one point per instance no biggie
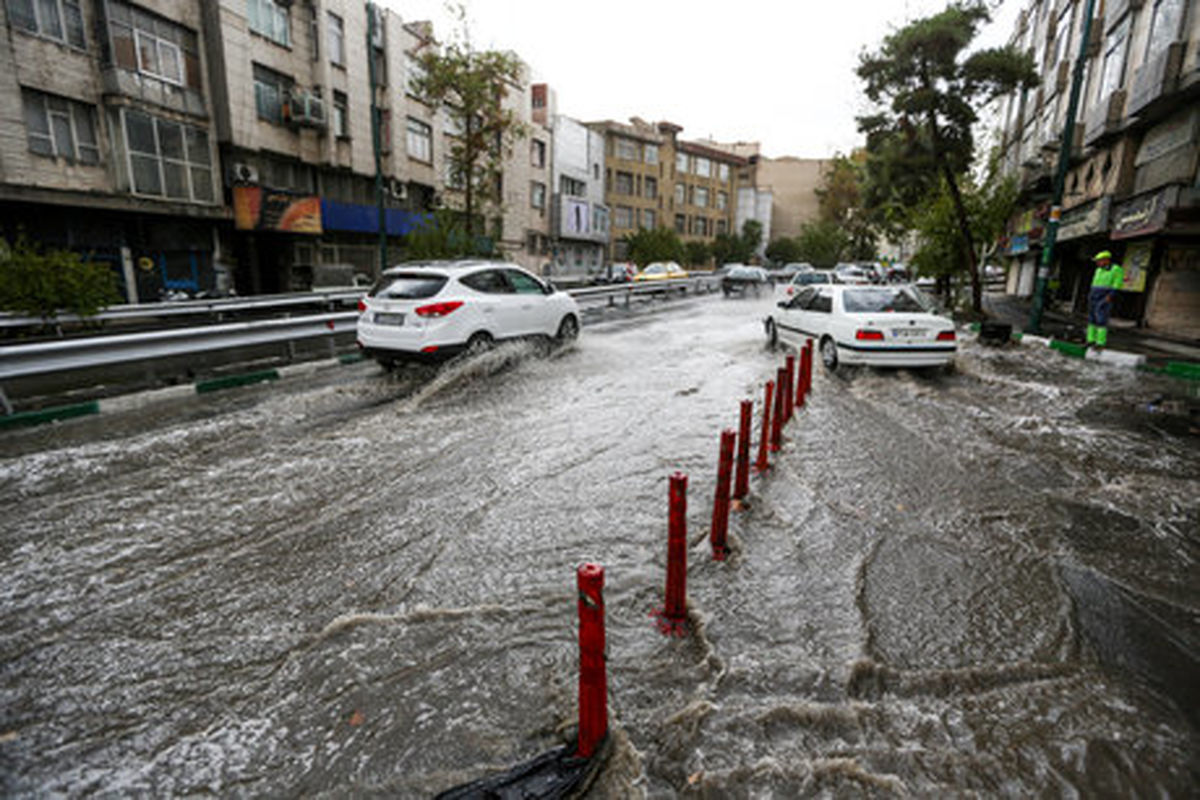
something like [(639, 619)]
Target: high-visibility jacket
[(1111, 278)]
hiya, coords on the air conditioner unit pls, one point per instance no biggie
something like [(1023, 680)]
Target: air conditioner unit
[(398, 189), (244, 173), (304, 109)]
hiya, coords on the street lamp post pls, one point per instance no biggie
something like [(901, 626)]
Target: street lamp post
[(376, 137)]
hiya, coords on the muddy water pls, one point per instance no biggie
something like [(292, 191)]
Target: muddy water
[(358, 583)]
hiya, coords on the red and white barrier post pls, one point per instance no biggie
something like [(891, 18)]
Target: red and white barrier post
[(741, 482), (593, 679), (764, 438), (720, 517), (672, 618)]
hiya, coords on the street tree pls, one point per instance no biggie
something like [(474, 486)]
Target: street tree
[(43, 282), (470, 87), (658, 244), (822, 244), (927, 88), (783, 250), (840, 200), (697, 253)]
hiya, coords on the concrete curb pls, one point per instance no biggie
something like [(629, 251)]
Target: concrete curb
[(1131, 360)]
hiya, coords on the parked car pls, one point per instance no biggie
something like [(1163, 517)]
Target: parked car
[(851, 273), (809, 278), (884, 326), (434, 310), (744, 280), (787, 271), (661, 271)]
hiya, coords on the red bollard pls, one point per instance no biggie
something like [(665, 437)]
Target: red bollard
[(808, 345), (788, 401), (720, 517), (802, 379), (777, 416), (741, 483), (672, 618), (593, 680), (761, 465)]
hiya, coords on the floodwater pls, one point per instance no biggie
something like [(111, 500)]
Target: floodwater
[(359, 583)]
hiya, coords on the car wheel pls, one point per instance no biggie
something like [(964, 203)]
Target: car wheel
[(772, 333), (479, 343), (829, 356), (568, 329)]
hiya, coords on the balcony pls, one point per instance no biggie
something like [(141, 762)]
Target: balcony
[(1155, 79), (1105, 118), (122, 82)]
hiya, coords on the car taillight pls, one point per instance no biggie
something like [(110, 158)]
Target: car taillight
[(362, 305), (438, 309), (946, 336), (789, 290), (862, 333)]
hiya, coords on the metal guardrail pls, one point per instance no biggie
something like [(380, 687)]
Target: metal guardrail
[(40, 358)]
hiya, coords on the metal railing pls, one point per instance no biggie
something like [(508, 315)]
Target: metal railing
[(58, 355)]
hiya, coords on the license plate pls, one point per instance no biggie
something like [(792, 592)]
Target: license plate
[(382, 318), (908, 333)]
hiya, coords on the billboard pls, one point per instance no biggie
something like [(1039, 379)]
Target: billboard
[(258, 209)]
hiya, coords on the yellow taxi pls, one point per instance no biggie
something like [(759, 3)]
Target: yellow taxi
[(661, 271)]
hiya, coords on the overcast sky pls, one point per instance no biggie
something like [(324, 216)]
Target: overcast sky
[(780, 72)]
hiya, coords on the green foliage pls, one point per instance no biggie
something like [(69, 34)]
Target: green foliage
[(752, 234), (659, 244), (697, 253), (939, 238), (927, 91), (443, 235), (840, 199), (43, 283), (784, 251), (738, 248), (822, 244), (470, 87)]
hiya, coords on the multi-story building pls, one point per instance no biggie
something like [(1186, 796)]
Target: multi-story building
[(1132, 186), (703, 202), (754, 201), (579, 225), (793, 183), (107, 142)]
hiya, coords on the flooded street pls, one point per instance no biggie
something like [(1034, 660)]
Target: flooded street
[(360, 583)]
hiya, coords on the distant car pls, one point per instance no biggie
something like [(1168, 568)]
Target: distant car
[(784, 274), (619, 272), (434, 310), (851, 273), (809, 278), (744, 280), (661, 271), (884, 326)]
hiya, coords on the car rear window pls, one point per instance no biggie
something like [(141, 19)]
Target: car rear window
[(408, 286), (744, 272), (857, 301)]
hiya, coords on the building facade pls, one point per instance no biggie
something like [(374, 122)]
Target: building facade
[(107, 138), (579, 226), (1131, 186)]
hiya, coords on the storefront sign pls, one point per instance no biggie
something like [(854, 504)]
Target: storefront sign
[(1085, 219), (1136, 265), (256, 209), (1143, 215), (1018, 245)]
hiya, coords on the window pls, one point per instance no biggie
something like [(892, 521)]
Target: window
[(651, 188), (60, 20), (341, 115), (537, 153), (723, 173), (722, 200), (722, 228), (648, 220), (168, 159), (270, 90), (58, 127), (572, 187), (700, 197), (270, 18), (624, 183), (701, 226), (703, 167), (1164, 26), (1062, 34), (622, 217), (650, 152), (822, 302), (523, 283), (153, 46), (627, 149), (416, 74), (600, 219), (680, 194), (1112, 74), (680, 223), (420, 141), (489, 282), (681, 162), (537, 195), (335, 39)]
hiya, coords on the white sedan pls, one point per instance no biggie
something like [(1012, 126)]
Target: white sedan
[(883, 326), (434, 310)]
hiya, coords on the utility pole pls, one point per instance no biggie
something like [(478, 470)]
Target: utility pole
[(376, 136), (1060, 176)]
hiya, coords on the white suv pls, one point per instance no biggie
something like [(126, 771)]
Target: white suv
[(434, 310)]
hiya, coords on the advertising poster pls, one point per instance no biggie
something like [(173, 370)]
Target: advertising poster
[(256, 209), (1136, 265)]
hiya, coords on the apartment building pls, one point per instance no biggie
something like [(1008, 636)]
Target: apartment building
[(703, 202), (107, 139), (579, 225), (1131, 187)]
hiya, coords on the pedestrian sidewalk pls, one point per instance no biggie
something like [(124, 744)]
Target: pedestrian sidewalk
[(1123, 336)]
